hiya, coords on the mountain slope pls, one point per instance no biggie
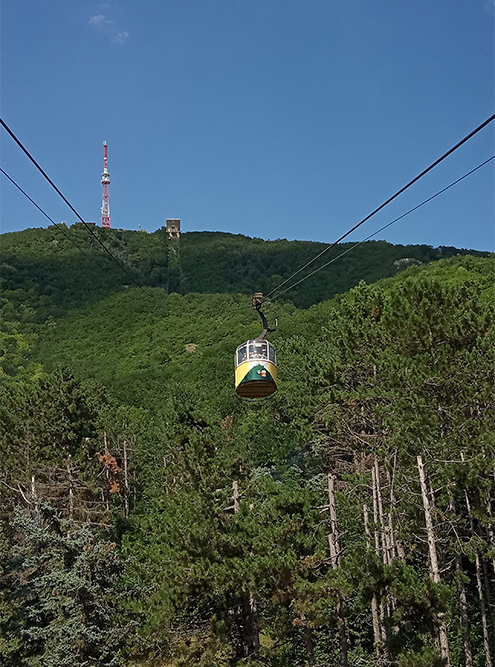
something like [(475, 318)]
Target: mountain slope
[(53, 270), (221, 503), (137, 345)]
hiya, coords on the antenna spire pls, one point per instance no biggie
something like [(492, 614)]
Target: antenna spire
[(105, 181)]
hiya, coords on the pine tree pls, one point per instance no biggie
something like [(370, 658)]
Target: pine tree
[(64, 588)]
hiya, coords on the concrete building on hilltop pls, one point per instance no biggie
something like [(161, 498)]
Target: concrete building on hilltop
[(173, 228)]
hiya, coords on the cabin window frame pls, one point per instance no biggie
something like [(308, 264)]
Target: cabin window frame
[(256, 350), (247, 352), (272, 355), (241, 354)]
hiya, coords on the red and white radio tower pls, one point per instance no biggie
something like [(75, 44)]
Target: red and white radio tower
[(105, 181)]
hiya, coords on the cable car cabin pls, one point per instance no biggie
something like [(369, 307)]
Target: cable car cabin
[(255, 369)]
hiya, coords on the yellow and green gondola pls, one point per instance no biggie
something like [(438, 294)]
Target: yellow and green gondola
[(255, 369), (255, 362)]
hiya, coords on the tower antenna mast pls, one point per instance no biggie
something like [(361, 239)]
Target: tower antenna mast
[(105, 181)]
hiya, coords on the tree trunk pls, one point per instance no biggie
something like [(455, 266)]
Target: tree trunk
[(396, 544), (107, 472), (334, 544), (486, 579), (333, 536), (486, 641), (484, 624), (463, 609), (34, 501), (377, 548), (374, 603), (491, 533), (375, 511), (71, 488), (384, 529), (466, 640), (126, 483), (491, 537), (235, 496), (434, 571)]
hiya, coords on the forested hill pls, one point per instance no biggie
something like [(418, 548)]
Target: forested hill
[(56, 269), (150, 517)]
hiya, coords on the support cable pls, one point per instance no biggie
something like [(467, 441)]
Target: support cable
[(389, 224), (21, 146), (61, 227), (414, 180)]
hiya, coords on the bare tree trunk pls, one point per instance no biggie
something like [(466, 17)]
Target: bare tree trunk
[(387, 543), (384, 529), (375, 512), (491, 531), (107, 473), (374, 603), (34, 500), (434, 571), (126, 482), (463, 610), (334, 544), (71, 488), (391, 500), (333, 536), (486, 579), (491, 536), (484, 624), (486, 641), (235, 495), (466, 640), (396, 544), (377, 550)]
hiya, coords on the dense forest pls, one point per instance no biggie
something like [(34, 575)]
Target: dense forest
[(60, 268), (150, 516)]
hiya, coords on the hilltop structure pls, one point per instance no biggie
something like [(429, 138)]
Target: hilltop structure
[(105, 181), (173, 228)]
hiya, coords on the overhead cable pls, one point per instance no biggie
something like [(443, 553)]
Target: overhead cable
[(389, 224), (21, 146), (61, 227), (399, 192)]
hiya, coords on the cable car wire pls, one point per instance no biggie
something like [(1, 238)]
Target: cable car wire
[(389, 224), (61, 227), (399, 192), (22, 147), (332, 245)]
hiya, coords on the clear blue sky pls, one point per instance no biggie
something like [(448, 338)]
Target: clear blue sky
[(270, 118)]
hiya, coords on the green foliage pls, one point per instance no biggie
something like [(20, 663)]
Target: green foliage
[(51, 272), (46, 419), (221, 503), (63, 585)]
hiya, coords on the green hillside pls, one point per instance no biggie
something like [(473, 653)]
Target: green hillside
[(150, 516), (53, 270)]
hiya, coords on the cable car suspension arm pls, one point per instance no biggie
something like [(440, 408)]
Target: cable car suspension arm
[(257, 303)]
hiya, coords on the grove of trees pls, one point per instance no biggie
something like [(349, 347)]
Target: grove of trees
[(152, 517)]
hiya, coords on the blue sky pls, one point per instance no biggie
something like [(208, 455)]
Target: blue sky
[(270, 118)]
